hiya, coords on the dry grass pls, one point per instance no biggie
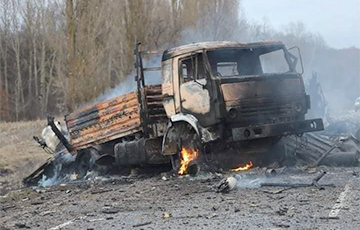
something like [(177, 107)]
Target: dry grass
[(19, 153)]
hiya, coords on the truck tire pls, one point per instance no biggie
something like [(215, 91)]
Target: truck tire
[(85, 161), (191, 141)]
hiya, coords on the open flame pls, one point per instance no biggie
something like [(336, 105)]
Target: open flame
[(186, 156), (243, 168)]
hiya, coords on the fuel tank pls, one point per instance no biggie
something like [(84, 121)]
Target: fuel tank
[(140, 152)]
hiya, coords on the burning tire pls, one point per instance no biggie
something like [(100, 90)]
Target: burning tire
[(189, 151)]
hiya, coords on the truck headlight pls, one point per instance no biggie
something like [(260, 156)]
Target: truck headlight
[(298, 107), (232, 113)]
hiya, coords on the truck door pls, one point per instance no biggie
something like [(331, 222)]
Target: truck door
[(168, 88), (195, 89)]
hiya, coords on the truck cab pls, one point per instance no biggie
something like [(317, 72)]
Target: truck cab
[(235, 92)]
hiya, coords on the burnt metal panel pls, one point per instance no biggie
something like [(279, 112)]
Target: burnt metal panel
[(266, 110), (170, 53), (275, 99), (104, 121), (309, 148), (279, 86)]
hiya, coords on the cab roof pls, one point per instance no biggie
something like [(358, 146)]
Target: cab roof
[(193, 47)]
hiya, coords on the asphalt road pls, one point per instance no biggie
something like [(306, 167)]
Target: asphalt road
[(189, 203)]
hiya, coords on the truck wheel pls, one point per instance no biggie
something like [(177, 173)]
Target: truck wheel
[(85, 161), (191, 141)]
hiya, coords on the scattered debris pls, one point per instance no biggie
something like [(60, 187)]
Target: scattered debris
[(37, 190), (276, 191), (4, 228), (355, 173), (325, 155), (46, 213), (142, 224), (342, 159), (59, 227), (212, 215), (226, 185), (329, 217), (297, 185), (36, 202), (21, 225), (4, 208), (99, 191), (97, 220), (314, 149), (281, 225), (166, 215), (282, 211), (270, 172), (110, 211)]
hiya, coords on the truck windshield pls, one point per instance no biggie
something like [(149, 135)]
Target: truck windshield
[(239, 62)]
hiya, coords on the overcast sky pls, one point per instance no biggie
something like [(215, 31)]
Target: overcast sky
[(338, 21)]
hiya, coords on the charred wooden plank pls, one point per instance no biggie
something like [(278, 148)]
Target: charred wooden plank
[(104, 121)]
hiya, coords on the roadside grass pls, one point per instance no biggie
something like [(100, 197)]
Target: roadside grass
[(19, 153)]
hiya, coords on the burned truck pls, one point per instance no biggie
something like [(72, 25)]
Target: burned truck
[(213, 95)]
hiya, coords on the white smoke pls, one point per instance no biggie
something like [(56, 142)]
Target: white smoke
[(249, 181), (128, 84), (51, 181), (57, 177)]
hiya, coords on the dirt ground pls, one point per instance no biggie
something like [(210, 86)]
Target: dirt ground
[(189, 203), (19, 153)]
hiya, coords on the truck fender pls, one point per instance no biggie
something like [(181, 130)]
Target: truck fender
[(176, 128)]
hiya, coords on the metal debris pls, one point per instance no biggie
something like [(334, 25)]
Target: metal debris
[(270, 172), (111, 211), (315, 149), (298, 185), (21, 225), (226, 185), (166, 215), (342, 159), (61, 226), (142, 224)]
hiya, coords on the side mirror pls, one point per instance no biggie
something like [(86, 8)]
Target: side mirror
[(295, 54)]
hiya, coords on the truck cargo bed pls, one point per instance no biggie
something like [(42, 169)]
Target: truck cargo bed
[(114, 118), (104, 121)]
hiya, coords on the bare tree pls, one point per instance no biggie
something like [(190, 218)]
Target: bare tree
[(56, 55), (5, 20)]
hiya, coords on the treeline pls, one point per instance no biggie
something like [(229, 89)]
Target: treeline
[(56, 55)]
